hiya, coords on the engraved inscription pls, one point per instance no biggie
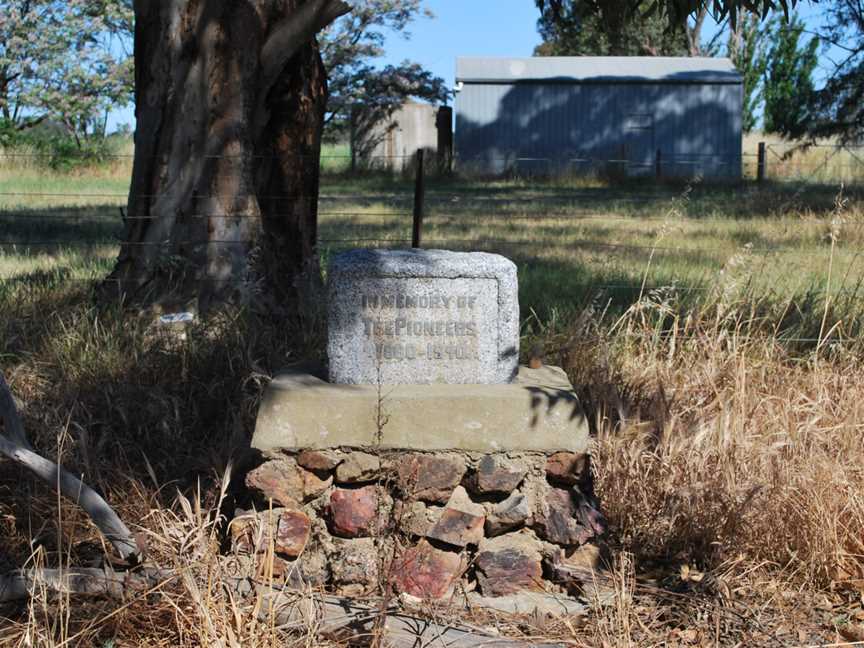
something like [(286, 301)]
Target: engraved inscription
[(420, 335)]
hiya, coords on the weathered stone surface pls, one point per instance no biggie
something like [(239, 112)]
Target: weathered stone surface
[(418, 518), (427, 572), (566, 518), (512, 513), (244, 532), (354, 562), (319, 460), (508, 564), (430, 478), (315, 569), (289, 530), (497, 475), (358, 467), (534, 603), (458, 528), (566, 468), (539, 412), (313, 485), (422, 316), (353, 512), (292, 533), (279, 480)]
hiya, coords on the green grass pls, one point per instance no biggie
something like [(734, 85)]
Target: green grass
[(578, 242)]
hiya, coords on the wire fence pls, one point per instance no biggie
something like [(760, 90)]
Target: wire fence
[(573, 234)]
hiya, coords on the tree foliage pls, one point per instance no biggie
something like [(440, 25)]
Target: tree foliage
[(788, 71), (746, 48), (574, 28), (349, 48), (639, 27), (63, 61), (838, 108)]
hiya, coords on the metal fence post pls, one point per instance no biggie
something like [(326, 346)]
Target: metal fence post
[(658, 165), (419, 197), (760, 163)]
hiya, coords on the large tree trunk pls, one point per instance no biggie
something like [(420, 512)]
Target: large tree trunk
[(230, 100)]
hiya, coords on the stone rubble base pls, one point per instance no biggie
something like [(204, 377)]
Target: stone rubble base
[(424, 524)]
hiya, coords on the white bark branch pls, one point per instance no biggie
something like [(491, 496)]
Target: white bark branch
[(14, 444), (25, 583)]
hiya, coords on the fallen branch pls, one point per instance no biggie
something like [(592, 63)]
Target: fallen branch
[(22, 584), (14, 444)]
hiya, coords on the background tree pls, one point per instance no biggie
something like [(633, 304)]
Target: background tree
[(349, 47), (837, 109), (746, 48), (788, 71), (618, 28), (63, 61)]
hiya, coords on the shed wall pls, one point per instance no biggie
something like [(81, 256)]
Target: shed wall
[(696, 126)]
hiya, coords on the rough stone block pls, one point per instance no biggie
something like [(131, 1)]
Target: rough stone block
[(292, 533), (313, 485), (565, 518), (353, 512), (567, 468), (358, 467), (512, 513), (279, 480), (497, 475), (458, 528), (422, 316), (427, 572), (508, 564), (319, 460), (430, 478)]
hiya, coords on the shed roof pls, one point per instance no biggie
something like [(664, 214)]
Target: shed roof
[(596, 69)]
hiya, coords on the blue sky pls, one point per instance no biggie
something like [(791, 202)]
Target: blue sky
[(480, 28)]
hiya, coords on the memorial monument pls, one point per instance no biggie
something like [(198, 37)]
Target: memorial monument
[(425, 456)]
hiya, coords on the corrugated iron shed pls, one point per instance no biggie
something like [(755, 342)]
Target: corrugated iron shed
[(586, 112)]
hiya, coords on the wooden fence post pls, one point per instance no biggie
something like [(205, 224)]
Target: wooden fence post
[(760, 163), (658, 165), (419, 198)]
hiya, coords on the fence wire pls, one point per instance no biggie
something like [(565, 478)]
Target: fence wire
[(512, 206)]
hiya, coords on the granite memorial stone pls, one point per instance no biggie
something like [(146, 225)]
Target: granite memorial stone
[(422, 316)]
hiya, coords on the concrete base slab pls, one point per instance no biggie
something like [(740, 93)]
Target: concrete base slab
[(537, 412)]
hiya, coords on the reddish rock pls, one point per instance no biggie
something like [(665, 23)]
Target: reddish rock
[(430, 478), (352, 512), (461, 523), (358, 467), (319, 460), (565, 518), (509, 564), (313, 485), (458, 528), (292, 533), (243, 529), (567, 468), (508, 515), (497, 475), (279, 480), (426, 572)]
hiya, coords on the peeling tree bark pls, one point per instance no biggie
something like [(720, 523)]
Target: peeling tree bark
[(230, 100)]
